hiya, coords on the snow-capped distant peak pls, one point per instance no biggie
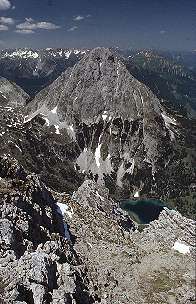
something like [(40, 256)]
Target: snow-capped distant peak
[(21, 53)]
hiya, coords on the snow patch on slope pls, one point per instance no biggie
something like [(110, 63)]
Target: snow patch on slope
[(169, 122), (57, 129), (98, 155), (63, 209), (137, 194), (181, 247), (131, 169), (52, 119), (54, 111), (104, 115), (89, 161)]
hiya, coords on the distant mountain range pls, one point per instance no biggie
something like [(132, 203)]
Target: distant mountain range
[(35, 69), (170, 75)]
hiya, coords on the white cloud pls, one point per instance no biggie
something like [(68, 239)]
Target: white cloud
[(78, 18), (25, 31), (30, 24), (162, 32), (3, 27), (5, 4), (47, 25), (73, 28), (27, 25), (7, 20)]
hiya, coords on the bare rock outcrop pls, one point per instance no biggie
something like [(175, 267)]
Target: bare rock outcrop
[(37, 261)]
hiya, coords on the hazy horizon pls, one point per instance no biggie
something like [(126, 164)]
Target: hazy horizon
[(109, 47)]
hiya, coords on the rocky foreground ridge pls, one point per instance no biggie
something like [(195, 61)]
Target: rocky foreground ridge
[(82, 249), (37, 259)]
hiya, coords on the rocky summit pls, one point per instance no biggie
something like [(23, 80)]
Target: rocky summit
[(68, 157)]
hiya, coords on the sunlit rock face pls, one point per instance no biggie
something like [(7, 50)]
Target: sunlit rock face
[(11, 94), (126, 139)]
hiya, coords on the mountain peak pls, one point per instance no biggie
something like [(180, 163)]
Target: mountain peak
[(99, 82)]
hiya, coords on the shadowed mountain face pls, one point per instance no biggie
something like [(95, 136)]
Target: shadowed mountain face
[(40, 149), (127, 139)]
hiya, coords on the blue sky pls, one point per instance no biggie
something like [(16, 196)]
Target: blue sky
[(164, 24)]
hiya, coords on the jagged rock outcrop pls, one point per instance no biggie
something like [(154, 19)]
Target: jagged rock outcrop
[(11, 94), (126, 138), (151, 264), (37, 260)]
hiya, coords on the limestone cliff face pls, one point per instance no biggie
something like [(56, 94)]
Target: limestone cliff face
[(126, 138), (11, 94), (99, 82)]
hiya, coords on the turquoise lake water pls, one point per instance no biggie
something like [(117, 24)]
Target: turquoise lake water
[(143, 211)]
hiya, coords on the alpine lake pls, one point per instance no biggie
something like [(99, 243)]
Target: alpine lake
[(143, 211)]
